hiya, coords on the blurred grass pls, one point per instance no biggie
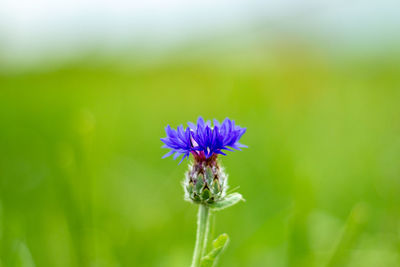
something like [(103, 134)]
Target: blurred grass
[(82, 182)]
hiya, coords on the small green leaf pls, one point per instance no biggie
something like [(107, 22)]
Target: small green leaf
[(196, 198), (205, 194), (209, 175), (216, 188), (190, 187), (211, 200), (219, 245), (199, 183), (227, 201)]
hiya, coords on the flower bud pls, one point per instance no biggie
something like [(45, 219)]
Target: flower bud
[(205, 182)]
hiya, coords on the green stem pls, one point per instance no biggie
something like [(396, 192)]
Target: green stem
[(203, 226), (210, 230)]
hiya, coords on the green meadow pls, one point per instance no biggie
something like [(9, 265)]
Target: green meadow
[(82, 182)]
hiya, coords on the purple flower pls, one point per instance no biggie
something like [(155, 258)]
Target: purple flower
[(203, 140)]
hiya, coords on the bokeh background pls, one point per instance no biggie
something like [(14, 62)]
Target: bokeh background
[(86, 89)]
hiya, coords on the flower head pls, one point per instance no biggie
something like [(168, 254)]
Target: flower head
[(204, 141)]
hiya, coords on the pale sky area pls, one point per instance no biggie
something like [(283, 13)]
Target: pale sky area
[(32, 28)]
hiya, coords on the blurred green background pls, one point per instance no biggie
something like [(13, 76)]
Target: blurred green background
[(82, 182)]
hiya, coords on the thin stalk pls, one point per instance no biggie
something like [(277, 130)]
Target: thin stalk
[(203, 226), (210, 231)]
